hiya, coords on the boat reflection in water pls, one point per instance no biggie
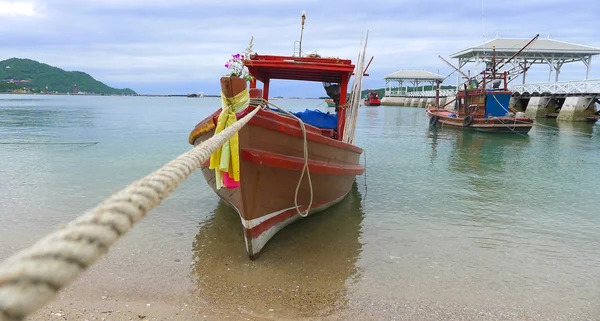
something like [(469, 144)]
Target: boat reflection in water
[(483, 154), (490, 175), (303, 273)]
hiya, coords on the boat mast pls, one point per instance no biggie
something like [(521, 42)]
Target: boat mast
[(451, 65), (437, 93), (519, 52), (496, 65), (301, 33)]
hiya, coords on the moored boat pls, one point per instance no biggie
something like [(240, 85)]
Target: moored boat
[(482, 104), (481, 109), (330, 102), (286, 171), (372, 99)]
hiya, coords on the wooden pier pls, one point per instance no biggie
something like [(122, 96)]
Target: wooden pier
[(570, 100)]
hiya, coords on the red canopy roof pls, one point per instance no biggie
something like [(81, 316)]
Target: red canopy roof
[(264, 67)]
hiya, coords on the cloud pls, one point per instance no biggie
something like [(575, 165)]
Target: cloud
[(155, 46), (17, 8)]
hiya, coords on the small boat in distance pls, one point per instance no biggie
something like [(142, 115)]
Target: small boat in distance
[(482, 104), (330, 102), (284, 171), (372, 99)]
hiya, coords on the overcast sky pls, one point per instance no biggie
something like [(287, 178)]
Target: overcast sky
[(180, 46)]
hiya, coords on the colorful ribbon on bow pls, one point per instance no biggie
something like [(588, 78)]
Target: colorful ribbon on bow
[(226, 160)]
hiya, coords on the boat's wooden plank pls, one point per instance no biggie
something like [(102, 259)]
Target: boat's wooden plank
[(297, 163)]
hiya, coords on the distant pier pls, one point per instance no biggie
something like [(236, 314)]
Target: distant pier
[(566, 101), (423, 89)]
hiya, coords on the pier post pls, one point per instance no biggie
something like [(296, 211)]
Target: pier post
[(450, 106), (392, 101), (421, 103), (515, 103), (414, 102), (430, 102), (442, 101), (577, 108), (538, 107)]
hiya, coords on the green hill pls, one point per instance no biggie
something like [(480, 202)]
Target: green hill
[(39, 75)]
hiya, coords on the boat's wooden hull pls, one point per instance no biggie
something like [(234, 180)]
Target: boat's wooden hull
[(372, 103), (271, 161), (330, 103), (491, 125)]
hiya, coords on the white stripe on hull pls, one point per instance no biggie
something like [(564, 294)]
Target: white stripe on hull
[(255, 245)]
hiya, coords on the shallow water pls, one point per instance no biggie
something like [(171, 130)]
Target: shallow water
[(446, 224)]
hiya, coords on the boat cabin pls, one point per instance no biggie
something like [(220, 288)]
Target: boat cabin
[(485, 98), (334, 73), (373, 95)]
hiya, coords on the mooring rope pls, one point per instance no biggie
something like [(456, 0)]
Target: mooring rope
[(260, 101), (32, 277)]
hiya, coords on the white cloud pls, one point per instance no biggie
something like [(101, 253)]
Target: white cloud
[(17, 8), (135, 42)]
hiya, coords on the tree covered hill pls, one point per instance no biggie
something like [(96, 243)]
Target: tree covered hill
[(39, 75)]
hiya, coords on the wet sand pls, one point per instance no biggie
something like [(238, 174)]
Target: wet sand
[(74, 306), (323, 281)]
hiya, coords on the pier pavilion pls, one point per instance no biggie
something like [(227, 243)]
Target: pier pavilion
[(396, 94), (574, 100)]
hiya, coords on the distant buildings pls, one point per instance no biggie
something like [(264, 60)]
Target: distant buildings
[(16, 81)]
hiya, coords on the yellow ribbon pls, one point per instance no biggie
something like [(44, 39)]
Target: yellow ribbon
[(227, 158), (238, 102)]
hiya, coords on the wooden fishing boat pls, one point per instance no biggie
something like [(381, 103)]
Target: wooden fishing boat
[(330, 102), (372, 99), (272, 191), (482, 104), (481, 110)]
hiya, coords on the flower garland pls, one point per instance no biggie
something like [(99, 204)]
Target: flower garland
[(236, 63)]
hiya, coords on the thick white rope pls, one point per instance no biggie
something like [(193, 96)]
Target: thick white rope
[(31, 278), (305, 167)]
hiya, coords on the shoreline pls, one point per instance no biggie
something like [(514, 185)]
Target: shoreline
[(70, 306)]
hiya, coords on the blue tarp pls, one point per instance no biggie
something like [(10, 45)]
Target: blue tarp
[(498, 106), (318, 118), (315, 118)]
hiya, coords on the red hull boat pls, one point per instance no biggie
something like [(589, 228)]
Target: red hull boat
[(372, 99), (481, 110), (483, 103), (270, 194)]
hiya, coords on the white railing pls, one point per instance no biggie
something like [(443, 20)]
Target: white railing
[(426, 93), (563, 87)]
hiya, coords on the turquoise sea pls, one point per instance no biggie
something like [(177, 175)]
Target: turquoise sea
[(446, 224)]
